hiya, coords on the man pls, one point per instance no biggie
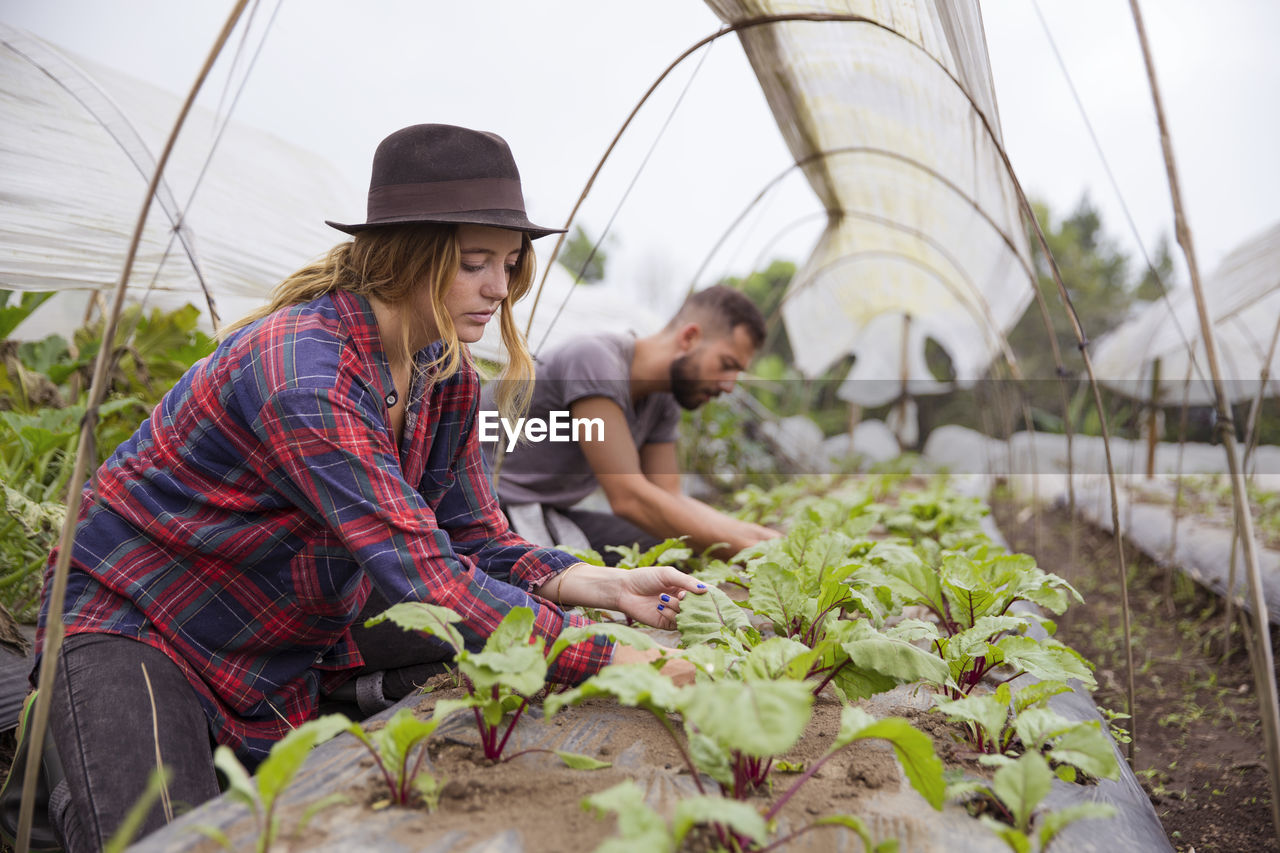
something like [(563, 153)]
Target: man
[(622, 396)]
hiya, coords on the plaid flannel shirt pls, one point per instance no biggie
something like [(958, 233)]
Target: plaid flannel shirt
[(239, 528)]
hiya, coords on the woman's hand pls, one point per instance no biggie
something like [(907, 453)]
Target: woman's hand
[(652, 594), (677, 668)]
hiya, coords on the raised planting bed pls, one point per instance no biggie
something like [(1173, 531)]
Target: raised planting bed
[(873, 678)]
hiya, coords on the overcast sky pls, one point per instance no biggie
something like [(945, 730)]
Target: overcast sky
[(557, 79)]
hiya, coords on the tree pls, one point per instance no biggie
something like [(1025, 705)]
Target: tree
[(583, 257)]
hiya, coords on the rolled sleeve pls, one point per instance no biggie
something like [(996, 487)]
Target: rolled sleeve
[(335, 459)]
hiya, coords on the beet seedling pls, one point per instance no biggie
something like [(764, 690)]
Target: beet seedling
[(1017, 790), (1004, 724), (511, 668), (972, 597), (261, 792), (733, 824), (392, 747)]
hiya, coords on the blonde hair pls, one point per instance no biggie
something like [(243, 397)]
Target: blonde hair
[(392, 263)]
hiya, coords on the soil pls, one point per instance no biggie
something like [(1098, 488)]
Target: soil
[(1197, 737), (541, 797)]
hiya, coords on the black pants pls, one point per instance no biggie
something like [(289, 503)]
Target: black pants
[(102, 723), (101, 720)]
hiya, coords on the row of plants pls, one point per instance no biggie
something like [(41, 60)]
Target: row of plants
[(1210, 496), (43, 396), (873, 586)]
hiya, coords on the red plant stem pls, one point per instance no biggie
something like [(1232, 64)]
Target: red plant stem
[(834, 673), (417, 765), (487, 736), (515, 719), (382, 768), (513, 756), (778, 842), (795, 786), (693, 769)]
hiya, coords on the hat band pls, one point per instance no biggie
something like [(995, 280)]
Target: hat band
[(399, 200)]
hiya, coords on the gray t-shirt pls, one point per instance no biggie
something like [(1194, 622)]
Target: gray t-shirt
[(556, 472)]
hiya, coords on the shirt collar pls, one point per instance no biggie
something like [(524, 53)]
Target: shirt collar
[(356, 313)]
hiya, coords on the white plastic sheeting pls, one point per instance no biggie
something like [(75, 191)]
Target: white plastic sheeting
[(568, 311), (1243, 298), (78, 144), (923, 219)]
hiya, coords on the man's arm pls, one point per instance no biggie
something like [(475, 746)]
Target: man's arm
[(648, 504)]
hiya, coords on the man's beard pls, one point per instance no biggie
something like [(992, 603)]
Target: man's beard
[(685, 386)]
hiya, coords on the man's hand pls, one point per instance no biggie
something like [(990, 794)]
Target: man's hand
[(677, 668)]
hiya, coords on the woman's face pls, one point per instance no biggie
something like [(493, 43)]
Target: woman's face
[(488, 256)]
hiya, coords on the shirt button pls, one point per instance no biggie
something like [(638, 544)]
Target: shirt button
[(392, 399)]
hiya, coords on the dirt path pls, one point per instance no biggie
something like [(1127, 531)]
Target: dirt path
[(1199, 752)]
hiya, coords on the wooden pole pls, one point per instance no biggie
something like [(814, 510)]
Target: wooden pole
[(1264, 660)]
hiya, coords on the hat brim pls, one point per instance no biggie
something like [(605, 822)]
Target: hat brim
[(508, 219)]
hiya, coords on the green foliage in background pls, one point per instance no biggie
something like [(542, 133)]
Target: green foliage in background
[(43, 397)]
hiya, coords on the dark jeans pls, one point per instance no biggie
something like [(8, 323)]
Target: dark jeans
[(602, 528), (401, 661), (101, 720), (103, 726)]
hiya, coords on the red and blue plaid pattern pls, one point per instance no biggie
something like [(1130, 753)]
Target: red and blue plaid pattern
[(239, 528)]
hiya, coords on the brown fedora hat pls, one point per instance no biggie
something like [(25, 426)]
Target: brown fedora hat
[(442, 173)]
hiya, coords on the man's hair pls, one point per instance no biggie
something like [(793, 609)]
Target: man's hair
[(720, 309)]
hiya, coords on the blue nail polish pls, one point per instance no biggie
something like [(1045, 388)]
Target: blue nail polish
[(702, 586), (665, 597), (659, 606)]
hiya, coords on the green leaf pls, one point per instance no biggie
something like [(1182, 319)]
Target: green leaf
[(973, 641), (987, 712), (427, 618), (287, 755), (1037, 693), (397, 738), (1086, 747), (1022, 785), (521, 667), (633, 685), (444, 707), (642, 830), (1051, 823), (874, 651), (856, 824), (239, 785), (711, 757), (515, 629), (577, 761), (1037, 726), (757, 718), (1016, 839), (779, 657), (709, 617), (740, 817), (912, 746), (572, 635), (776, 595), (1047, 659), (429, 788), (906, 575)]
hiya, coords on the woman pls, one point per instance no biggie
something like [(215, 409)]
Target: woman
[(229, 546)]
